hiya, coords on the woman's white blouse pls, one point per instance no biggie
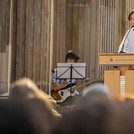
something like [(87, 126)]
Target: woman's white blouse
[(128, 42)]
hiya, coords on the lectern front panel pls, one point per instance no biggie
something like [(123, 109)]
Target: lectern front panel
[(116, 59), (112, 81), (129, 88)]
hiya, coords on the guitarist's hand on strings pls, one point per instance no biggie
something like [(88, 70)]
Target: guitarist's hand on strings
[(57, 86), (64, 82)]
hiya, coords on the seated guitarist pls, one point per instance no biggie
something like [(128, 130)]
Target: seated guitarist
[(63, 84)]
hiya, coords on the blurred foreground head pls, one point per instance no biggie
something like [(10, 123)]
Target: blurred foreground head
[(94, 93), (26, 88), (96, 88), (122, 120), (36, 102), (14, 119), (90, 115)]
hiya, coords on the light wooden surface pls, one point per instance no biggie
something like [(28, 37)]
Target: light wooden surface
[(124, 68), (129, 82), (31, 43), (125, 61), (3, 72), (116, 59), (3, 67), (112, 81)]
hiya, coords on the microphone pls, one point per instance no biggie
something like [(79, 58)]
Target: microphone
[(125, 40)]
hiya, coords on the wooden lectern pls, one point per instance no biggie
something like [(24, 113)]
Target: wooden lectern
[(112, 78)]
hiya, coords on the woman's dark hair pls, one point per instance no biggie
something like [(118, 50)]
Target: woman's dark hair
[(129, 16)]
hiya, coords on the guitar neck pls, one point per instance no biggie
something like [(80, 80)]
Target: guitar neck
[(84, 84)]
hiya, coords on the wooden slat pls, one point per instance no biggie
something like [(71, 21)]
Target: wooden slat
[(87, 38), (30, 29), (3, 67), (129, 86), (37, 40), (21, 40), (4, 24), (112, 81), (69, 18)]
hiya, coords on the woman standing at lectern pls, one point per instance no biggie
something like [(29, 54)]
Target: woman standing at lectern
[(127, 44)]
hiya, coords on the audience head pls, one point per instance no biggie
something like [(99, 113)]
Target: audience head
[(122, 120), (93, 94), (14, 119), (26, 89), (96, 87), (36, 102)]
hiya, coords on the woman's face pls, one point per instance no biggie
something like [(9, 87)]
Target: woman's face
[(132, 19)]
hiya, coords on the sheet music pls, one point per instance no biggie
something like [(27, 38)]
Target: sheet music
[(78, 70)]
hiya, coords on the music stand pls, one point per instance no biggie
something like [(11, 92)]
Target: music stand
[(71, 71)]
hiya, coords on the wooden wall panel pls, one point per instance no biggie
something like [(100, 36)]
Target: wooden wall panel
[(88, 27), (4, 42), (33, 30), (4, 24), (59, 47), (106, 37), (20, 40), (93, 26)]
